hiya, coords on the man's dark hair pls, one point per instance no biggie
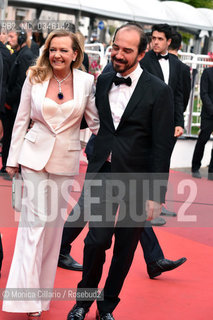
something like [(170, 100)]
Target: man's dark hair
[(163, 27), (149, 37), (176, 41), (135, 26)]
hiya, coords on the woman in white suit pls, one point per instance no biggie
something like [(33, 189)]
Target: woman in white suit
[(55, 95)]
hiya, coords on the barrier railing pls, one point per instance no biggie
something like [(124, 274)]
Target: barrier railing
[(197, 64), (97, 58)]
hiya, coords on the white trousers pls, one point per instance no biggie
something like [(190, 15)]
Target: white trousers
[(38, 239)]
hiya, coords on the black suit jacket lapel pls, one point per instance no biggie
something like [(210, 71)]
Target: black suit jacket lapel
[(139, 94), (174, 70), (156, 66), (105, 96), (171, 71)]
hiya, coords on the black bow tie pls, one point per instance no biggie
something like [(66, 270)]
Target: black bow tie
[(118, 80), (159, 56)]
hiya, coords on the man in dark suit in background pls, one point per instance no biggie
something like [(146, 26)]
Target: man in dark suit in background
[(174, 46), (135, 136), (163, 65), (21, 60), (166, 67), (6, 58), (206, 94)]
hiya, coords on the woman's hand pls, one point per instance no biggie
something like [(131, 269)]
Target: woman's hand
[(12, 171)]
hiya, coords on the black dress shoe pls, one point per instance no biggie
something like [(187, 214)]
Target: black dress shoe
[(65, 261), (154, 269), (166, 212), (158, 221), (196, 174), (3, 170), (77, 313), (104, 316)]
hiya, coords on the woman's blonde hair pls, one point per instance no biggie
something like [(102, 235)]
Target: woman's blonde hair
[(43, 69), (81, 40)]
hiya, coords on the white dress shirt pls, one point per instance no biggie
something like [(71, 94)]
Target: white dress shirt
[(120, 95), (164, 63)]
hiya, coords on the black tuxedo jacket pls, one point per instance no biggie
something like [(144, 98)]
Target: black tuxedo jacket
[(6, 57), (206, 94), (23, 60), (152, 65), (143, 141), (185, 81)]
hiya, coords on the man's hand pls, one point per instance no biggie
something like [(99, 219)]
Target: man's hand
[(178, 132), (153, 209), (12, 171)]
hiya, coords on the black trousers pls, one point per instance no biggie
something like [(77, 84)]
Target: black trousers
[(206, 130), (149, 242), (98, 240), (1, 252)]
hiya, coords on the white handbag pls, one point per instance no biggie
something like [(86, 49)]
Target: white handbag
[(17, 189)]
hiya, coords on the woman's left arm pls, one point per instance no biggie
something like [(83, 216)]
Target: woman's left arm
[(91, 112)]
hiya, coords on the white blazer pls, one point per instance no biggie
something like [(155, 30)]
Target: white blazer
[(33, 148)]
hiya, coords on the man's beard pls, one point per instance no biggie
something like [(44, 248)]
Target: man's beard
[(124, 67)]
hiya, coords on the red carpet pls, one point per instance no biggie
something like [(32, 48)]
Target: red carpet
[(185, 293)]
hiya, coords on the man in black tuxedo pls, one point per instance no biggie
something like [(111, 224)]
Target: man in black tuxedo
[(153, 254), (167, 68), (206, 94), (135, 137)]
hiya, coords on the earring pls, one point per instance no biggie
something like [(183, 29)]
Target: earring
[(73, 60)]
